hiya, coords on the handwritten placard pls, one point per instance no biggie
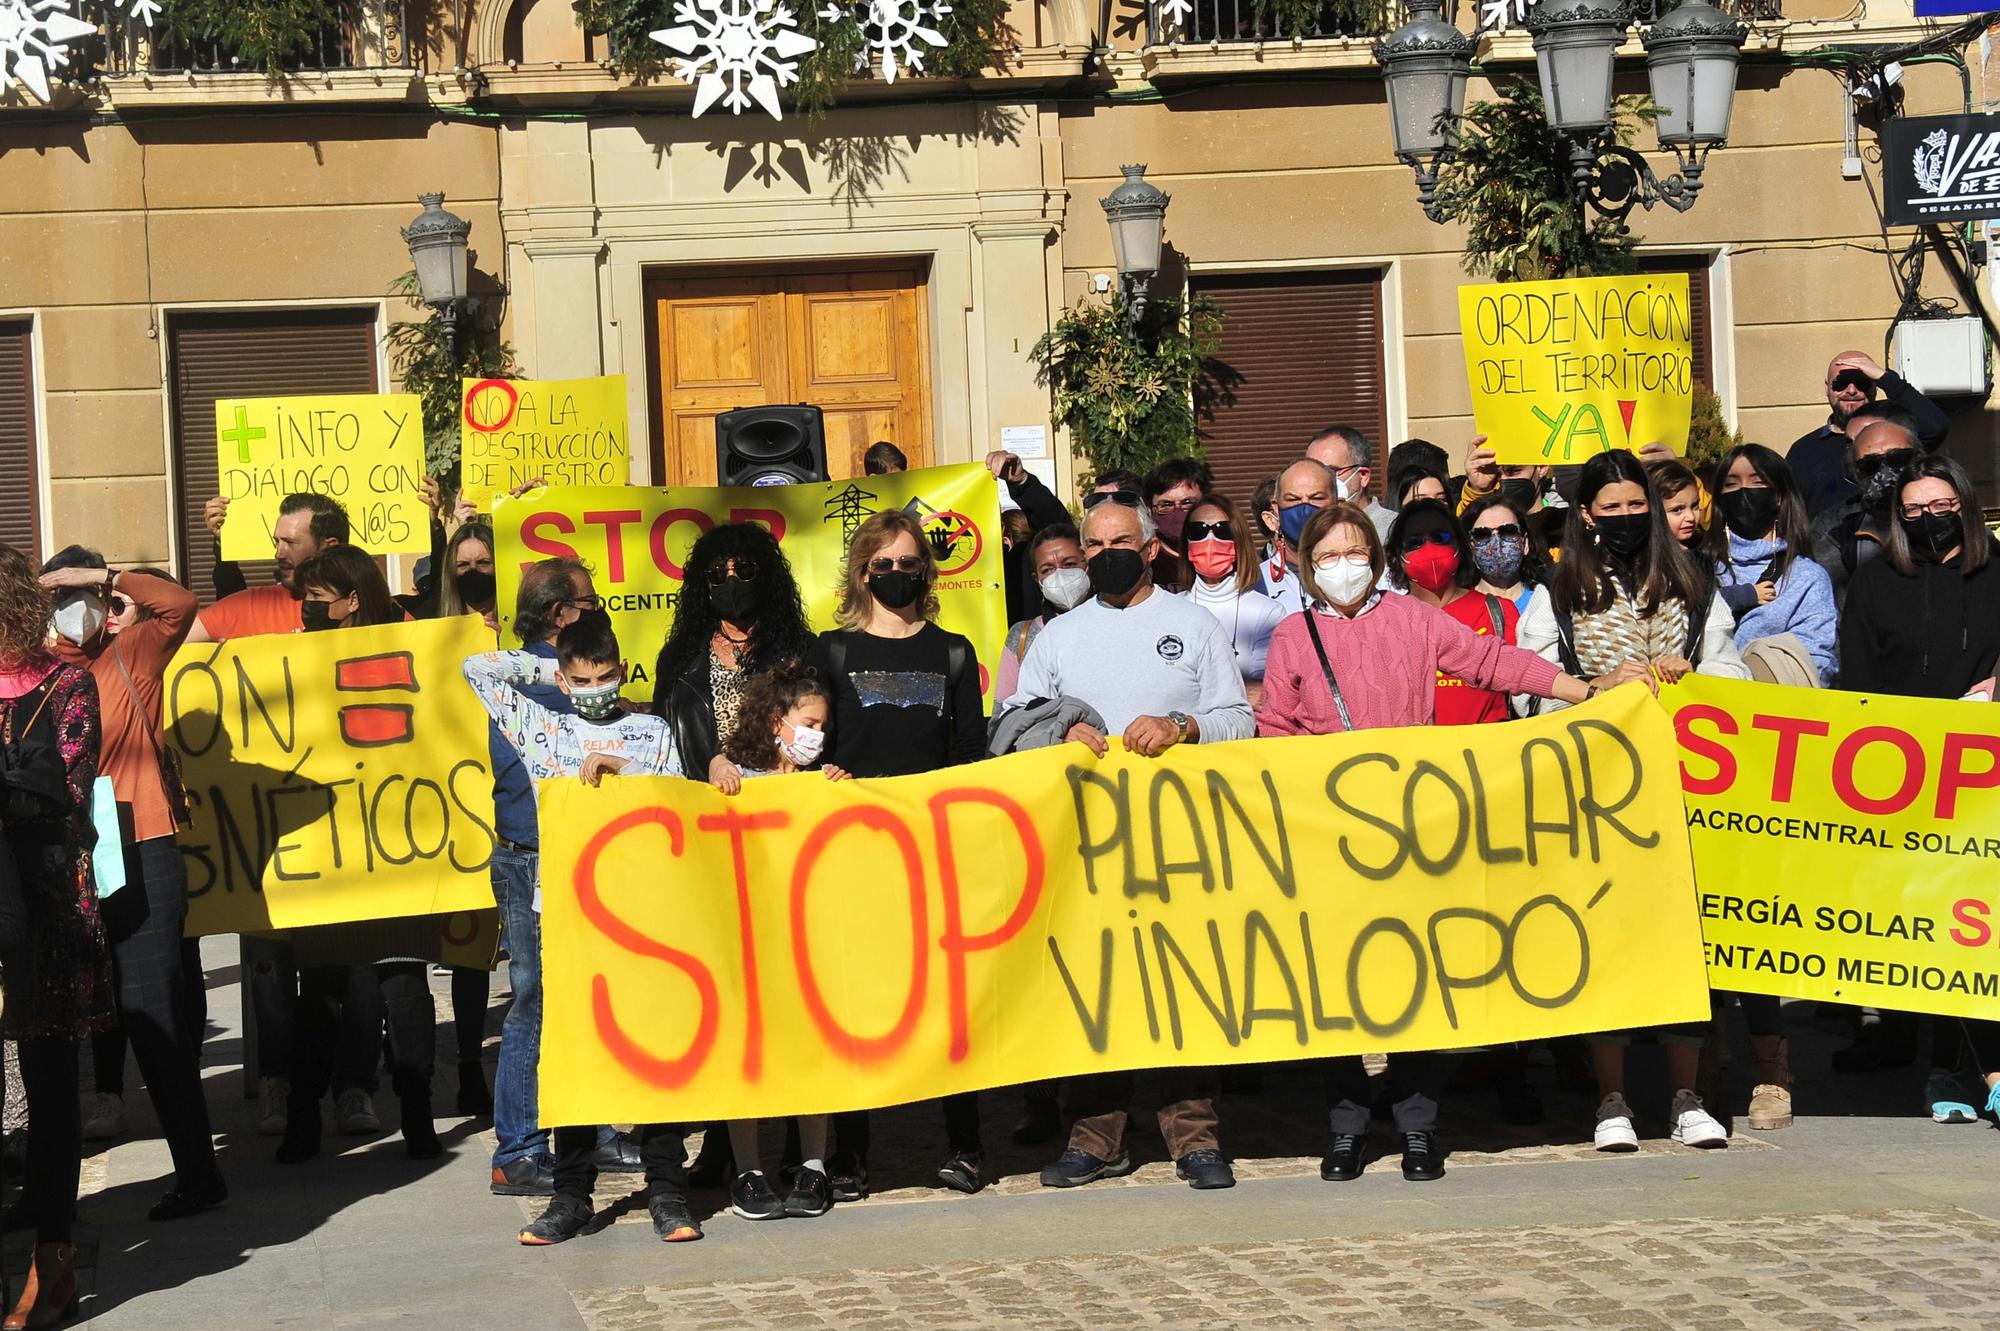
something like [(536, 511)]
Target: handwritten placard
[(571, 432), (364, 449)]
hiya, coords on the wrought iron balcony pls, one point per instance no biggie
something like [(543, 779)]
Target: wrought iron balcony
[(369, 34)]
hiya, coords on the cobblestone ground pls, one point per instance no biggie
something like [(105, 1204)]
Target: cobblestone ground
[(1907, 1269)]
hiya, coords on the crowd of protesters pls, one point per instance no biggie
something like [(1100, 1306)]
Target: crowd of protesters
[(1349, 592)]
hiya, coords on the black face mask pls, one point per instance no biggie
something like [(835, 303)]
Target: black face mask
[(1750, 513), (316, 615), (1525, 493), (1114, 572), (734, 598), (1878, 472), (896, 590), (1934, 534), (477, 589), (1625, 534)]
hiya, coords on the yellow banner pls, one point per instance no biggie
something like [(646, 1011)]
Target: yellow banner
[(635, 538), (812, 945), (574, 432), (336, 776), (1563, 370), (1848, 845), (364, 449)]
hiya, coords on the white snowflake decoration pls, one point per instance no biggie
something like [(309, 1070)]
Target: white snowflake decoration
[(32, 36), (739, 52), (898, 30), (1499, 15), (1174, 16), (145, 10)]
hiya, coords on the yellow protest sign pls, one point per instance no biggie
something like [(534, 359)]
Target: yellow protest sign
[(1563, 370), (636, 538), (335, 776), (574, 432), (364, 449), (1847, 846), (811, 945)]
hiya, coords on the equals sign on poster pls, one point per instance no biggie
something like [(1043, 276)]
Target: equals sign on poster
[(371, 725)]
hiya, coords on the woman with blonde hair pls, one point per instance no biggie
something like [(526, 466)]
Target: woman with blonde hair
[(905, 699)]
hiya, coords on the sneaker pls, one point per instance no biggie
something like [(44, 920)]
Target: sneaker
[(849, 1176), (103, 1116), (1614, 1125), (565, 1218), (811, 1194), (272, 1093), (354, 1113), (750, 1196), (1074, 1168), (1343, 1162), (1695, 1126), (1205, 1170), (672, 1221), (1422, 1159), (527, 1177), (1949, 1102), (960, 1173)]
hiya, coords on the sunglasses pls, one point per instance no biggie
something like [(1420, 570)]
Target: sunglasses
[(1128, 498), (1506, 531), (900, 564), (718, 572), (120, 603), (1418, 540), (1208, 531), (1874, 462)]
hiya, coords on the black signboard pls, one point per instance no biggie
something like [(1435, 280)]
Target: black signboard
[(1938, 169)]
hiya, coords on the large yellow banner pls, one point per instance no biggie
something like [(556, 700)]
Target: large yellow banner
[(1563, 370), (636, 539), (812, 945), (335, 776), (572, 432), (364, 449), (1847, 845)]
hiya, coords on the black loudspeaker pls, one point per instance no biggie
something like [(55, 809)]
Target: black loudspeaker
[(770, 445)]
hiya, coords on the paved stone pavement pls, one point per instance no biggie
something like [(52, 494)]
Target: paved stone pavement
[(1865, 1214)]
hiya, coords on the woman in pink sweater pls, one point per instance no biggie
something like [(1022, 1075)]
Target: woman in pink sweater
[(1357, 660)]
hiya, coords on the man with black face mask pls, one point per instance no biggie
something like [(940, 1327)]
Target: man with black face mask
[(1852, 532), (1853, 380), (1161, 671)]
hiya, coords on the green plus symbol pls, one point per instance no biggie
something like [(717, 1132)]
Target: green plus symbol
[(242, 435)]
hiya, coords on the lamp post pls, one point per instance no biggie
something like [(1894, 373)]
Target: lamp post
[(437, 241), (1137, 212), (1425, 65)]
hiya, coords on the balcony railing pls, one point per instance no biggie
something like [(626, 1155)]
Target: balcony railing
[(370, 34), (1203, 21)]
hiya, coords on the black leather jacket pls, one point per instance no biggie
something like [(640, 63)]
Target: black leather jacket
[(688, 707)]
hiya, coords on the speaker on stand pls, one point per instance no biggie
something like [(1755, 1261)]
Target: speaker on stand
[(776, 445)]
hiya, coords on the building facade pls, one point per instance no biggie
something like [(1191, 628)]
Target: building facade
[(183, 232)]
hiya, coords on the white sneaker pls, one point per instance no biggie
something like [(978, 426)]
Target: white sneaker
[(272, 1112), (1614, 1126), (103, 1116), (354, 1112), (1695, 1126)]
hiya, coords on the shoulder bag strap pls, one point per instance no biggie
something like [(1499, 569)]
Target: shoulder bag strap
[(1326, 666), (1566, 639), (1494, 616), (956, 657)]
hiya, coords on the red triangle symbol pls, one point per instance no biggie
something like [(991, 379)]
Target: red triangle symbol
[(1626, 409)]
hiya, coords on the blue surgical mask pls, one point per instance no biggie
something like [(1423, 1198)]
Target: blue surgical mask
[(1292, 520)]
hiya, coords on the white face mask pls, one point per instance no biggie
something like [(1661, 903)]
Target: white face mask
[(1340, 490), (80, 618), (1067, 588), (1343, 580), (805, 745)]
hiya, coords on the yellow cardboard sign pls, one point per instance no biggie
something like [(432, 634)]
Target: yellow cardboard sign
[(811, 945), (364, 449), (335, 776), (574, 432), (1561, 371), (1847, 845), (635, 539)]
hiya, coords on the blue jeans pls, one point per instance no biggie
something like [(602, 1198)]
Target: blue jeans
[(516, 1121)]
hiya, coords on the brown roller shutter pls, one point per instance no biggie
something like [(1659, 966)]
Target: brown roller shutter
[(1697, 267), (20, 481), (1300, 351), (265, 353)]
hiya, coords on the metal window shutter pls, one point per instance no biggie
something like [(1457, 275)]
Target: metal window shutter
[(277, 353), (1300, 351), (20, 486), (1697, 267)]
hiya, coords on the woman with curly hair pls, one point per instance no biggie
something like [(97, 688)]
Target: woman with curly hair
[(739, 610), (59, 983)]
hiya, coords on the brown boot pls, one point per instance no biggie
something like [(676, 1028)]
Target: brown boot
[(1771, 1097), (49, 1296)]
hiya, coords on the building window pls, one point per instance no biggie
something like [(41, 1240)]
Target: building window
[(1698, 267), (1300, 351), (262, 353), (20, 477)]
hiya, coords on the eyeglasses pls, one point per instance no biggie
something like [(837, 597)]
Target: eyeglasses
[(1169, 505), (1128, 498), (1506, 531), (1416, 541), (1937, 507), (742, 568), (580, 603), (1208, 531), (120, 603), (900, 564), (1874, 462)]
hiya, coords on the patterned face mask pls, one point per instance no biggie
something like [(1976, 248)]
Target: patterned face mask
[(598, 702), (1499, 560)]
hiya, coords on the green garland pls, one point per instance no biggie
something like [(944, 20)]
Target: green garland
[(1313, 18), (975, 33), (262, 34)]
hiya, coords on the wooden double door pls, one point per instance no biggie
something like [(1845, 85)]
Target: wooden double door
[(854, 342)]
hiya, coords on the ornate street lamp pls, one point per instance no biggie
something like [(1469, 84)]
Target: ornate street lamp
[(1137, 212), (1425, 65), (437, 241)]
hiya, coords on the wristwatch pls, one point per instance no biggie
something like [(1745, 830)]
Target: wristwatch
[(1185, 722)]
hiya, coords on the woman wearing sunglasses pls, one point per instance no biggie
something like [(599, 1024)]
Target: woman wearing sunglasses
[(1506, 548), (1428, 559), (1224, 565), (905, 699)]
